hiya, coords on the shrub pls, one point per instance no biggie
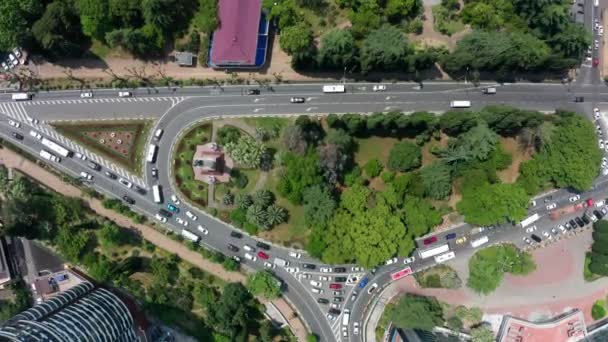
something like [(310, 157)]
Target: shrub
[(373, 168), (238, 179), (404, 156), (598, 311)]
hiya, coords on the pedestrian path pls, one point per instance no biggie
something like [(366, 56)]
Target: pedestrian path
[(17, 112), (173, 99)]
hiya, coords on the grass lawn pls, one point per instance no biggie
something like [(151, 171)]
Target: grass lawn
[(444, 25), (269, 122), (182, 164), (374, 147), (223, 188), (384, 320), (587, 274), (81, 132), (440, 276)]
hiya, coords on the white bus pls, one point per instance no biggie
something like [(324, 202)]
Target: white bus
[(460, 104), (528, 221), (336, 88), (434, 251), (445, 257), (190, 236), (151, 158), (345, 317), (60, 150), (22, 97), (478, 242), (158, 197)]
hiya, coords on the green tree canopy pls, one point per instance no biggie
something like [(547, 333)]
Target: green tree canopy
[(235, 310), (404, 156), (385, 48), (263, 283), (296, 39), (319, 205), (338, 50), (482, 334), (437, 180), (300, 173), (494, 203), (95, 18), (416, 312), (58, 31)]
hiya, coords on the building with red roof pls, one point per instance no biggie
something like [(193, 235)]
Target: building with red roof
[(241, 39), (569, 327)]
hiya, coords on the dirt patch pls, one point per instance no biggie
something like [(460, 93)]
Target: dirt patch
[(120, 142), (519, 154)]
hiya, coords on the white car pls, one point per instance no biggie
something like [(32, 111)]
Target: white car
[(80, 156), (596, 44), (86, 175), (125, 183), (175, 200), (269, 265), (316, 283), (324, 278), (14, 60), (530, 229), (32, 120), (372, 288), (601, 143), (357, 269), (356, 328), (302, 276), (601, 31), (554, 231), (574, 198), (325, 269), (86, 95), (202, 230), (296, 270), (547, 235), (161, 218), (295, 255), (551, 206), (5, 66), (390, 261), (316, 290), (344, 332), (379, 87), (236, 258), (14, 123), (124, 94), (409, 260), (181, 221), (191, 215), (250, 257), (36, 135), (17, 52), (562, 228)]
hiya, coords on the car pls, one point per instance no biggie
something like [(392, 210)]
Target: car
[(604, 211), (94, 166), (528, 241), (450, 236), (340, 279), (330, 317), (579, 222), (14, 60), (579, 99), (175, 200), (596, 44), (233, 248), (249, 248), (363, 282), (430, 240), (589, 202), (124, 94), (295, 255), (164, 212), (536, 238), (236, 258), (263, 255), (269, 265), (379, 87), (598, 214), (574, 198), (601, 31), (585, 219), (409, 260), (372, 288), (263, 245), (140, 190), (335, 286), (86, 95), (5, 66), (547, 235), (236, 234), (250, 257), (181, 221), (356, 328), (172, 208), (253, 92), (322, 301), (297, 100), (191, 215), (562, 228), (202, 230), (357, 269), (309, 266), (461, 240), (86, 175), (353, 296), (154, 172), (338, 299), (128, 199), (323, 278), (338, 293), (14, 123), (110, 175), (302, 276), (573, 224), (530, 229), (601, 143), (17, 135), (344, 331), (391, 261), (592, 217), (551, 206), (32, 120), (334, 305), (161, 218), (316, 283), (334, 311), (325, 269), (295, 270), (339, 269), (125, 183), (80, 156)]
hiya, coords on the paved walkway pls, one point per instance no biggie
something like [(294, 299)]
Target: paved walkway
[(13, 160)]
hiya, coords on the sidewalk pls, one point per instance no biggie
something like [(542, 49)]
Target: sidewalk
[(13, 160)]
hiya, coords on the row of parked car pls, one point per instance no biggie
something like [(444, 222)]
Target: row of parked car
[(12, 60)]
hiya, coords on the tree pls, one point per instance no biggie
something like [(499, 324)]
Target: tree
[(95, 18), (482, 334), (275, 215), (365, 18), (338, 50), (71, 242), (482, 16), (228, 134), (494, 203), (384, 49), (456, 122), (373, 168), (420, 216), (319, 205), (296, 39), (263, 283), (166, 14), (263, 198), (295, 140), (312, 338), (404, 156), (232, 313), (112, 235), (257, 215), (334, 161), (598, 310), (572, 41), (397, 10), (246, 151), (437, 180), (205, 19), (300, 173), (58, 31), (487, 266), (416, 312)]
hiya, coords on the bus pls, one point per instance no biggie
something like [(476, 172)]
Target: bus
[(336, 88), (190, 236), (49, 156), (345, 317), (158, 196), (400, 274), (427, 253), (445, 257), (60, 150), (528, 221), (151, 158), (478, 242), (22, 97), (460, 104)]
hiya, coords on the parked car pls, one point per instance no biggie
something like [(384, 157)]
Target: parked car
[(295, 255), (191, 215), (17, 136), (325, 269), (450, 236), (110, 175), (574, 198), (430, 240), (14, 123), (372, 288), (536, 238), (172, 208), (409, 260), (263, 245), (128, 199), (335, 286), (551, 206), (309, 266), (263, 255), (202, 230), (391, 261), (175, 200), (182, 221), (233, 248), (322, 301), (236, 234), (340, 279), (339, 269)]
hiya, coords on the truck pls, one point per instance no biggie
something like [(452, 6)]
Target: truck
[(571, 209), (478, 242), (60, 150), (460, 104), (345, 317), (489, 91), (281, 262), (49, 156), (22, 97), (335, 88), (190, 235), (529, 220), (445, 257), (431, 252)]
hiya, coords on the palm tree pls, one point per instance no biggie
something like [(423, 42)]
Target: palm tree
[(275, 215)]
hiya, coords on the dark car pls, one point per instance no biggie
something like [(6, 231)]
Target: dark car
[(93, 165), (17, 135), (598, 214), (334, 311), (338, 299), (572, 224), (536, 238), (236, 234), (339, 269), (579, 222), (309, 266), (233, 247), (585, 219), (263, 245), (450, 236), (340, 279), (322, 301), (128, 199), (141, 190), (253, 92), (579, 99), (297, 100), (430, 240), (110, 175), (165, 213)]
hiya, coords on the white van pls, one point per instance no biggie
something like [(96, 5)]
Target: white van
[(158, 134), (22, 97), (460, 104), (124, 94)]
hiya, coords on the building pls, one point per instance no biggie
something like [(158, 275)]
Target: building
[(49, 285), (82, 313), (184, 59), (241, 40), (568, 327), (5, 272), (211, 164)]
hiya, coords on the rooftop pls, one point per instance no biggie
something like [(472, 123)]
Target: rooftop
[(568, 327)]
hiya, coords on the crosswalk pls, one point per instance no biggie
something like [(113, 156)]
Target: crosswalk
[(17, 111), (173, 99)]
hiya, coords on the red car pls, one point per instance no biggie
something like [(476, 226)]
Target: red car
[(335, 286), (430, 240), (589, 202), (263, 255), (596, 62)]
